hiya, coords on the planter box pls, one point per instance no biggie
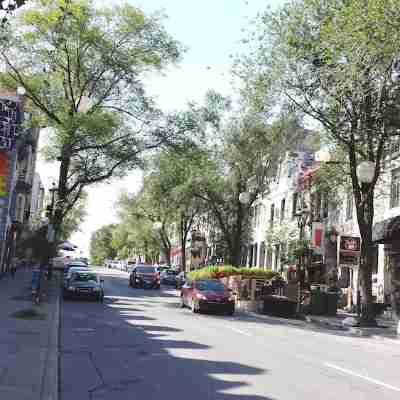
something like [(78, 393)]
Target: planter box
[(249, 305), (279, 306)]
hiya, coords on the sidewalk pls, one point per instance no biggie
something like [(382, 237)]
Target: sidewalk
[(28, 346), (387, 328)]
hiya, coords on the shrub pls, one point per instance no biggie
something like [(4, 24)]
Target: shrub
[(216, 272)]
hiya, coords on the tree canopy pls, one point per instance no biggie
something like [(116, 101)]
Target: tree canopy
[(82, 68)]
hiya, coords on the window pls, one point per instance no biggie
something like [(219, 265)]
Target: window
[(283, 209), (349, 205), (316, 202), (271, 221), (395, 147), (395, 189), (295, 200)]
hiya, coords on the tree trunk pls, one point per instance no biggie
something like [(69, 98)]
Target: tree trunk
[(367, 309), (62, 190), (365, 215), (235, 239), (183, 235)]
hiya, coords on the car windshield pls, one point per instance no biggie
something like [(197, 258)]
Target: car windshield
[(210, 285), (144, 270), (79, 277)]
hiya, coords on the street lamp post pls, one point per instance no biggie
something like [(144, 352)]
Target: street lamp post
[(244, 198), (50, 227), (302, 219), (157, 226)]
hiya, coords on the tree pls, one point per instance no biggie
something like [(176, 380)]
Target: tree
[(135, 233), (73, 219), (81, 68), (100, 245), (334, 62), (245, 161)]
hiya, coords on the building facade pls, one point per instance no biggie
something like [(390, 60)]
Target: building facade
[(330, 222), (18, 149)]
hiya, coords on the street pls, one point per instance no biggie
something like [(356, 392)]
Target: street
[(139, 344)]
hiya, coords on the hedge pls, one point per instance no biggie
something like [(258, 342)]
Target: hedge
[(228, 270)]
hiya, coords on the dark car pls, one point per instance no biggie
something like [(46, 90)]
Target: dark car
[(73, 264), (168, 277), (145, 276), (207, 295), (84, 284)]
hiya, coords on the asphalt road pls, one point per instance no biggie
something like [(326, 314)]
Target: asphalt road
[(140, 345)]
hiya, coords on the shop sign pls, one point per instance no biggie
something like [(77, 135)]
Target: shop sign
[(8, 123), (350, 244)]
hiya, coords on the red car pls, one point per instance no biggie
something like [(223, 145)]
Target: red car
[(207, 295)]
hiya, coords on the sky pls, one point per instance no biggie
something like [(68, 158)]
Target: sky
[(211, 31)]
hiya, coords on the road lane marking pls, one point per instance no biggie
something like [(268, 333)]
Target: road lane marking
[(238, 330), (366, 378)]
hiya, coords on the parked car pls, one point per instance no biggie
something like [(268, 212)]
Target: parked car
[(84, 284), (168, 277), (207, 295), (73, 264), (145, 276), (67, 276), (164, 267), (180, 279), (130, 266)]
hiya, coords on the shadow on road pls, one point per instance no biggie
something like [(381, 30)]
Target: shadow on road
[(109, 357)]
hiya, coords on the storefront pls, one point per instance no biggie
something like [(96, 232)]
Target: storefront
[(387, 233)]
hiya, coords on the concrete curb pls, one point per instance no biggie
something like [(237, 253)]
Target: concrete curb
[(361, 332), (50, 384)]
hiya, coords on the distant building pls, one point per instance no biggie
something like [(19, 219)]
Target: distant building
[(37, 200)]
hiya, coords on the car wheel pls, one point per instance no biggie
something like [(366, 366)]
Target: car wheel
[(182, 302), (130, 283), (193, 307)]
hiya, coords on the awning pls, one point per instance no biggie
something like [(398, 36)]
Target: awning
[(387, 230)]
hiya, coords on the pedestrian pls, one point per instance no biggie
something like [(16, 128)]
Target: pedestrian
[(13, 266)]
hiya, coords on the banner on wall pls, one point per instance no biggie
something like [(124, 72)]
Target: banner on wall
[(4, 171), (316, 237), (9, 113)]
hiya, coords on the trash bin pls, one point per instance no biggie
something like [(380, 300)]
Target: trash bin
[(332, 303), (319, 302)]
